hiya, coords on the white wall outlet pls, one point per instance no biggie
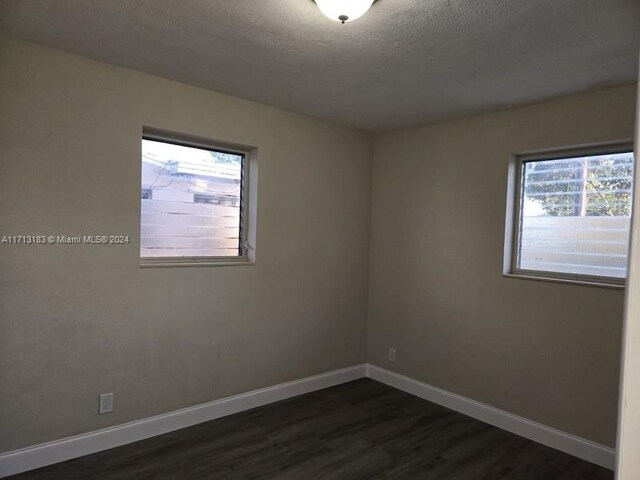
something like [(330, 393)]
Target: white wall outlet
[(106, 403), (392, 355)]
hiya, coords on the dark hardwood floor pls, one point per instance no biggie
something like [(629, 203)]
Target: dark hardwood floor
[(359, 430)]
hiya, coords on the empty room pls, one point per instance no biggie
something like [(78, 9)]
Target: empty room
[(319, 239)]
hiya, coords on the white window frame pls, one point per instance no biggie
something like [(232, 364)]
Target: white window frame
[(248, 201), (513, 213)]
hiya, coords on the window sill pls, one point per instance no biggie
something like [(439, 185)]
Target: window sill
[(584, 283), (195, 262)]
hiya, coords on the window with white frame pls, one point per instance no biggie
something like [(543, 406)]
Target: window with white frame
[(193, 202), (570, 215)]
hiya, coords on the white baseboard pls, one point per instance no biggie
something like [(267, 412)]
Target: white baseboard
[(80, 445), (57, 451), (576, 446)]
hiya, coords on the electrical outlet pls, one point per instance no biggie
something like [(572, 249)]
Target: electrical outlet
[(106, 403), (392, 355)]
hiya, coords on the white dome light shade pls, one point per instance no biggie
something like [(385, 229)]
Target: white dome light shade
[(344, 10)]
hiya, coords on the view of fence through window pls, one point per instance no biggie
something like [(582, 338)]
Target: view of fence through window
[(191, 200), (575, 215)]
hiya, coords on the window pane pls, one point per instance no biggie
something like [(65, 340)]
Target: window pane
[(575, 215), (191, 200)]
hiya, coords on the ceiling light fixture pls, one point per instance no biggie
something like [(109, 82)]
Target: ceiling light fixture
[(344, 10)]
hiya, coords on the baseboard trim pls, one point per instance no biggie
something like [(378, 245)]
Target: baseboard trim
[(30, 458), (571, 444), (38, 456)]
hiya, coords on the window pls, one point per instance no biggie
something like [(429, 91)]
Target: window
[(193, 203), (570, 214)]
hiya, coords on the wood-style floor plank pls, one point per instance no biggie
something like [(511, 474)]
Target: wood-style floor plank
[(359, 430)]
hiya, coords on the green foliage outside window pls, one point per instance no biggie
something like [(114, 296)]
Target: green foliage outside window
[(586, 186)]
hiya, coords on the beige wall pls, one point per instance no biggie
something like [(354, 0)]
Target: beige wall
[(548, 352), (79, 320), (76, 321), (628, 467)]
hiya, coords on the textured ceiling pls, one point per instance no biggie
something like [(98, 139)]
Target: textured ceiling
[(406, 62)]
